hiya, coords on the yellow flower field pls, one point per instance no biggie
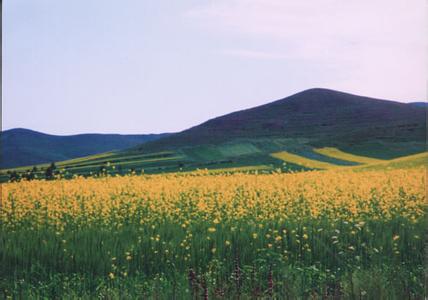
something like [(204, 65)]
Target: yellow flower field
[(314, 228), (346, 195)]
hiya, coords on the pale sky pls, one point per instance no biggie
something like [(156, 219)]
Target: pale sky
[(139, 66)]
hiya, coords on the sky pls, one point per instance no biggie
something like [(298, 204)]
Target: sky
[(139, 66)]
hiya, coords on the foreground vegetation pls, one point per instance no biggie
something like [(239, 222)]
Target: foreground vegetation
[(337, 233)]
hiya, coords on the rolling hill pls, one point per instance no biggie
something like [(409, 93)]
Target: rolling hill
[(313, 129), (23, 147), (322, 117)]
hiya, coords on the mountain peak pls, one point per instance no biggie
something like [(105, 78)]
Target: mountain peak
[(317, 114), (318, 90)]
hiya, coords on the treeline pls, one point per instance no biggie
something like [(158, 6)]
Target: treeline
[(53, 172), (48, 173)]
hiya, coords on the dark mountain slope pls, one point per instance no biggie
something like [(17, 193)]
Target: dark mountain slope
[(23, 147), (323, 116), (419, 104)]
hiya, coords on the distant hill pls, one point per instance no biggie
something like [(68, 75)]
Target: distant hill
[(24, 147), (321, 116), (313, 129)]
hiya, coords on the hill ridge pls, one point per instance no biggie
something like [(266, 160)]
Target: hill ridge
[(23, 147), (313, 112)]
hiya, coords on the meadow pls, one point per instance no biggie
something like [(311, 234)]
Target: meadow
[(199, 235)]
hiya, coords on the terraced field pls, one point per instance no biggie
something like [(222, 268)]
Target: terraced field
[(364, 163), (336, 153), (265, 155), (303, 161), (406, 162)]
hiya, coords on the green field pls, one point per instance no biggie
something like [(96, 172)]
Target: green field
[(237, 155), (336, 153), (303, 161)]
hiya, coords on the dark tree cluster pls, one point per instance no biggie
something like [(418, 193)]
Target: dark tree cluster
[(13, 176), (50, 172), (32, 174)]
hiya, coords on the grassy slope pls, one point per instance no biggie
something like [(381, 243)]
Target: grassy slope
[(303, 161), (366, 163), (324, 118), (336, 153), (410, 161)]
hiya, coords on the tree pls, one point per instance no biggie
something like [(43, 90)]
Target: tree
[(50, 172), (13, 176), (102, 171), (33, 173)]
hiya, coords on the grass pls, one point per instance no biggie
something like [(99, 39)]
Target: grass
[(203, 153), (189, 236), (240, 169), (231, 150), (115, 158), (244, 154), (247, 153), (96, 157), (240, 155), (381, 149), (136, 162), (309, 152), (75, 161), (366, 163), (336, 153), (411, 161), (302, 161)]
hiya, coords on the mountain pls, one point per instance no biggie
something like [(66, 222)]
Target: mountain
[(313, 129), (323, 117), (24, 147)]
